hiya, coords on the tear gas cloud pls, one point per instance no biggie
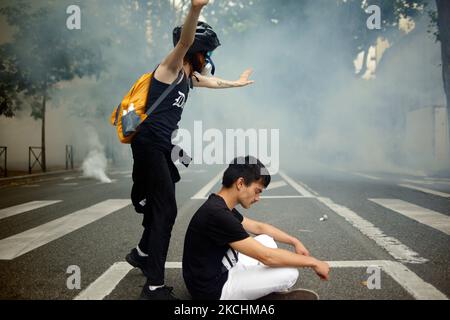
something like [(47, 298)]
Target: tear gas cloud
[(305, 86)]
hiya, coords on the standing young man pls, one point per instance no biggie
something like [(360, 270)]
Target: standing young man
[(222, 261), (154, 173)]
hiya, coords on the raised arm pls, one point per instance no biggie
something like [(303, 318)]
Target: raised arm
[(172, 64), (217, 83)]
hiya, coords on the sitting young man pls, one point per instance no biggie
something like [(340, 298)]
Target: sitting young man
[(222, 261)]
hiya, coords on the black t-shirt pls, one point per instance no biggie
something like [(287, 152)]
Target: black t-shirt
[(210, 231), (157, 129)]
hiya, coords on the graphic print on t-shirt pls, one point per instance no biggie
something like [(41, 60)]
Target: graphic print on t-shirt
[(179, 102), (230, 259)]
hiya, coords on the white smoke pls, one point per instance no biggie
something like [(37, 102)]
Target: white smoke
[(94, 165)]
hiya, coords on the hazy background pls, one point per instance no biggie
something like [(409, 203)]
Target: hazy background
[(302, 54)]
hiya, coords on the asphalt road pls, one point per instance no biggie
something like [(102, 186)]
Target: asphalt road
[(374, 219)]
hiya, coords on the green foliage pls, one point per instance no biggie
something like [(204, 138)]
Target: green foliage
[(43, 52)]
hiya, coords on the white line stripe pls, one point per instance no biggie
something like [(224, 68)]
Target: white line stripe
[(295, 185), (425, 216), (109, 280), (69, 184), (419, 181), (277, 184), (365, 176), (434, 192), (106, 283), (356, 264), (174, 265), (24, 242), (437, 179), (21, 208), (418, 288), (203, 193), (394, 247)]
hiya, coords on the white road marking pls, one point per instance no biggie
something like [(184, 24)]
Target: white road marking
[(30, 186), (437, 179), (106, 283), (174, 265), (393, 246), (425, 216), (419, 289), (365, 176), (433, 192), (21, 208), (276, 184), (69, 184), (68, 178), (295, 185), (24, 242), (419, 181), (203, 193)]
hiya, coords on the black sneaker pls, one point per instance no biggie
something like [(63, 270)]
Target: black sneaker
[(163, 293), (137, 261)]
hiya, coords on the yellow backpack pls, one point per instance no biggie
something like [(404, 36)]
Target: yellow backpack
[(131, 112)]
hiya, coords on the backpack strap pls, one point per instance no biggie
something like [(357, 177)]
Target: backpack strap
[(165, 93)]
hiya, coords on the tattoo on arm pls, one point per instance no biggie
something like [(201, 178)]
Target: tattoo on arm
[(224, 84)]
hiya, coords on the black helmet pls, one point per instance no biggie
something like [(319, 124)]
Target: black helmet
[(205, 38)]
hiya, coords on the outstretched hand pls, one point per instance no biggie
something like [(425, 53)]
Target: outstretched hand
[(199, 3), (244, 78)]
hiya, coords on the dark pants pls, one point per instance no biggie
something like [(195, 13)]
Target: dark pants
[(155, 173)]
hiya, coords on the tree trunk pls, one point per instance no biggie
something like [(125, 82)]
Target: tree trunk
[(43, 158), (443, 8)]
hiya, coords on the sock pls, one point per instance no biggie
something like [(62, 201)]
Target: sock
[(141, 254), (153, 288)]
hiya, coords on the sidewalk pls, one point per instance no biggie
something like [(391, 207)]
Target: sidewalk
[(23, 177)]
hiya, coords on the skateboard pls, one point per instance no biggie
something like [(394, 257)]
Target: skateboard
[(295, 294)]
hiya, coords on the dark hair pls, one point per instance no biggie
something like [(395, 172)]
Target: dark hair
[(249, 168), (197, 61)]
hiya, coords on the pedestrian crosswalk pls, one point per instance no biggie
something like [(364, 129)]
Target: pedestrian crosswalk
[(425, 216), (414, 285), (15, 246), (19, 244), (25, 207)]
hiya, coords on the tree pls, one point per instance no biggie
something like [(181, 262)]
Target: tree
[(443, 23), (43, 52), (391, 12)]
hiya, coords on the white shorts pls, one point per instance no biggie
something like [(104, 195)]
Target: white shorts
[(249, 279)]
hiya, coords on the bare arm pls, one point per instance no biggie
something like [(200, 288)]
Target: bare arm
[(171, 65), (217, 83), (257, 228), (279, 257)]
